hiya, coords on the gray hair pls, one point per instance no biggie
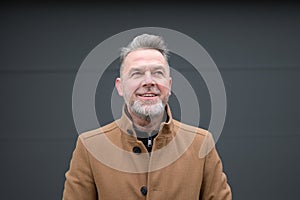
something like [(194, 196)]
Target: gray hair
[(144, 41)]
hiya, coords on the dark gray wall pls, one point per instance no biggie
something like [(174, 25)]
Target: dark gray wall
[(255, 46)]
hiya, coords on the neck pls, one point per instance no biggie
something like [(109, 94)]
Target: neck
[(146, 124)]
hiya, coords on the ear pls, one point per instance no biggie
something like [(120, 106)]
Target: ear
[(170, 86), (119, 86)]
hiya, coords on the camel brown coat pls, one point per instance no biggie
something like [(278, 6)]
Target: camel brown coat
[(109, 163)]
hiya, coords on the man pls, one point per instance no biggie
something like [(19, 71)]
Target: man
[(146, 154)]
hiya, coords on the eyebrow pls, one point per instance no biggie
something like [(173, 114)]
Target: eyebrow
[(160, 67), (136, 69)]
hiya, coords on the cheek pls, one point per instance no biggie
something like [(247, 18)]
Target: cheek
[(164, 88), (130, 88)]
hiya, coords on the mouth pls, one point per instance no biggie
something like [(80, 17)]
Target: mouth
[(148, 96)]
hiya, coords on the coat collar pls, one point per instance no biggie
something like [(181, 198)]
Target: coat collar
[(165, 129)]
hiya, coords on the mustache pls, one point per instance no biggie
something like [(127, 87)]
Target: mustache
[(148, 90)]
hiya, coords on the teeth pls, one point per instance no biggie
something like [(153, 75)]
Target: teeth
[(148, 95)]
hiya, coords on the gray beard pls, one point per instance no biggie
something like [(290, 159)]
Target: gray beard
[(147, 112)]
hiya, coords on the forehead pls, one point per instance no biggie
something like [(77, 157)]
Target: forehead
[(142, 58)]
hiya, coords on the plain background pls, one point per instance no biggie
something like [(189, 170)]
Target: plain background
[(255, 46)]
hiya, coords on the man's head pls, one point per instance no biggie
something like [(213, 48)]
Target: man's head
[(145, 81)]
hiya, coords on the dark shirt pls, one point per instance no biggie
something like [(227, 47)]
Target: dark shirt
[(146, 138)]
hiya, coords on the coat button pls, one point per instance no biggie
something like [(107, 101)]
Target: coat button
[(129, 132), (137, 150), (144, 190)]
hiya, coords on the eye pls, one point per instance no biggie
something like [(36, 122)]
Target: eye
[(159, 73), (135, 74)]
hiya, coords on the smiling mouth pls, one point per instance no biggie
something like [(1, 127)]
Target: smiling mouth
[(148, 95)]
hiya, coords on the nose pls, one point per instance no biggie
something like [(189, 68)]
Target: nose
[(148, 80)]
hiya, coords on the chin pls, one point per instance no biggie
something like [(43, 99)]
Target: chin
[(147, 110)]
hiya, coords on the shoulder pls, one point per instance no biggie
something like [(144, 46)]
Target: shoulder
[(203, 140), (99, 131), (191, 129), (94, 141)]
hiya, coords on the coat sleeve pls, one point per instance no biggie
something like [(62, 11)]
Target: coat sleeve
[(214, 185), (79, 182)]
